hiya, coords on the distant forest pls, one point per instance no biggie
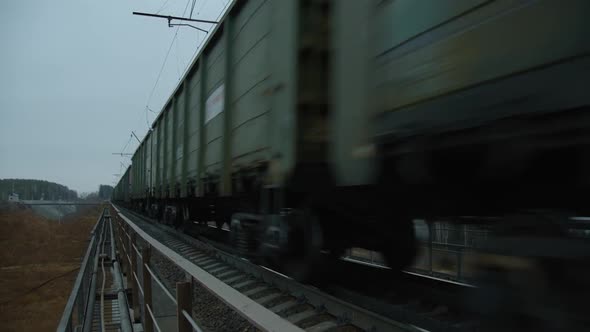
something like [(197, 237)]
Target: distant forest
[(105, 191), (36, 189)]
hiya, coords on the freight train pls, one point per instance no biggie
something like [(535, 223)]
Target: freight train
[(313, 126)]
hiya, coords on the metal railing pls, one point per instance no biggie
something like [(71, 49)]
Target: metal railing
[(78, 312), (142, 288), (447, 246)]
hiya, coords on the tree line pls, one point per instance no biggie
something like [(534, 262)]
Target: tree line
[(28, 189), (104, 192), (36, 190)]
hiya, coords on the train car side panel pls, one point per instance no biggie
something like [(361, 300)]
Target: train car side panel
[(250, 77), (496, 41), (192, 123), (214, 107)]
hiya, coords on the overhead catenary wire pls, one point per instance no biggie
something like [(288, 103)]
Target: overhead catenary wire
[(192, 8), (203, 39), (149, 127), (161, 68), (164, 63), (157, 12), (162, 7), (174, 39), (127, 144), (147, 122), (177, 59), (158, 78), (137, 138), (202, 5)]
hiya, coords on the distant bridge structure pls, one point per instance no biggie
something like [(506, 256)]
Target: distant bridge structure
[(43, 202)]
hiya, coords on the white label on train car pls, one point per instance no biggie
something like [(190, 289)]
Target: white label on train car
[(214, 104)]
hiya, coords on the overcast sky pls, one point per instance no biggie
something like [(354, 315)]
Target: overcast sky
[(75, 80)]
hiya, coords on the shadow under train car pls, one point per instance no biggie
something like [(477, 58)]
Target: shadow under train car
[(528, 272), (531, 280)]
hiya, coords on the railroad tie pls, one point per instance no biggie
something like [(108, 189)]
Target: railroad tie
[(323, 326), (300, 316), (283, 306)]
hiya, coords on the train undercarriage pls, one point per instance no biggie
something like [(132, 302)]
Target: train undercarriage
[(515, 165)]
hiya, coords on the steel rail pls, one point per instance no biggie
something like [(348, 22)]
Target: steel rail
[(357, 315), (346, 312), (102, 256), (249, 309), (154, 321), (121, 296), (65, 320), (154, 277), (191, 321), (137, 252), (139, 287), (102, 295), (89, 312)]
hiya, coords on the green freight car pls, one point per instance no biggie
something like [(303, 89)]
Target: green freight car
[(323, 124), (122, 191)]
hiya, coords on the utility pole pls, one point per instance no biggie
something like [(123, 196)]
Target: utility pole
[(170, 18)]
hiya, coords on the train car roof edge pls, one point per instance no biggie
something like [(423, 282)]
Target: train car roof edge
[(188, 70)]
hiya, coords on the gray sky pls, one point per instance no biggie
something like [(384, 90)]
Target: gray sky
[(75, 80)]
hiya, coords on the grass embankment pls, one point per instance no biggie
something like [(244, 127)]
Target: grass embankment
[(39, 261)]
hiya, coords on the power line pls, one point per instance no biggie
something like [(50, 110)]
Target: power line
[(147, 108), (137, 138), (192, 8), (177, 60), (202, 5), (162, 7), (158, 78), (203, 40), (147, 122), (162, 68), (125, 147), (165, 59)]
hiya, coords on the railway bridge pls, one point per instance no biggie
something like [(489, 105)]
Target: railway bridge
[(44, 202)]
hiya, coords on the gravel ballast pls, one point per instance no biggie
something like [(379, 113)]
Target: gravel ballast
[(209, 312)]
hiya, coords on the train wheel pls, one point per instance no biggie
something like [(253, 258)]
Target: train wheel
[(400, 247), (186, 222), (219, 224), (243, 233), (179, 216), (303, 260)]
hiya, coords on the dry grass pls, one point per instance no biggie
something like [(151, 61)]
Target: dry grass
[(33, 251)]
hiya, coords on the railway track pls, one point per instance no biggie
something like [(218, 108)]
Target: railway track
[(429, 303), (303, 306), (424, 303), (418, 299)]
